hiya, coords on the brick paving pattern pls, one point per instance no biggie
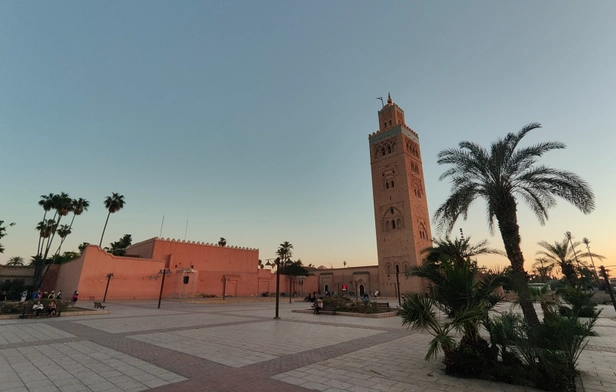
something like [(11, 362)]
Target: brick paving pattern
[(239, 347)]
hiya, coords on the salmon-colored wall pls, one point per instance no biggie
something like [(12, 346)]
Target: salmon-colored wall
[(134, 278), (69, 273), (142, 249), (212, 262), (194, 269)]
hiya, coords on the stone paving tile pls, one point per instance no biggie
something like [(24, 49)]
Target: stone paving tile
[(264, 355), (77, 366), (390, 366), (242, 345), (30, 332), (145, 323)]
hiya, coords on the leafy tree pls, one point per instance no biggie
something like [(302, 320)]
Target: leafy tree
[(502, 175), (118, 248), (113, 204), (83, 247), (65, 257), (294, 268), (222, 242), (15, 261)]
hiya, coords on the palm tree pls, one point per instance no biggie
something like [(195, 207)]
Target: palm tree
[(458, 251), (564, 255), (78, 207), (460, 291), (63, 204), (45, 228), (222, 242), (16, 260), (63, 232), (501, 175), (113, 203), (47, 203), (284, 252), (544, 268)]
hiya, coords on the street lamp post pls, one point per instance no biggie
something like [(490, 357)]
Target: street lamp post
[(398, 283), (277, 261), (224, 286), (290, 288), (109, 276), (163, 272)]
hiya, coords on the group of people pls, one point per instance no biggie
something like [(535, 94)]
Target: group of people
[(38, 307), (41, 295)]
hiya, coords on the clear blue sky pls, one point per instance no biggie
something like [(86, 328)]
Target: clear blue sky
[(252, 117)]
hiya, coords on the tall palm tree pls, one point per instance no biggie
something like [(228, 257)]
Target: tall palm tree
[(459, 251), (285, 251), (63, 232), (78, 207), (63, 204), (502, 175), (45, 228), (47, 203), (15, 261), (113, 204)]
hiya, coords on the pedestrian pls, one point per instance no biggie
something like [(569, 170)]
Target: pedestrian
[(318, 305), (75, 296), (59, 295), (37, 307), (52, 307)]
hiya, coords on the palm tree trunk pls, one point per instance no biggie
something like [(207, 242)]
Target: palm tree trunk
[(52, 237), (104, 228), (39, 250), (510, 232)]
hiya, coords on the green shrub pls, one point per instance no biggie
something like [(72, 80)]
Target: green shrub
[(468, 358)]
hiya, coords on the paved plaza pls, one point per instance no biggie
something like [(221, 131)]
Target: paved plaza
[(240, 347)]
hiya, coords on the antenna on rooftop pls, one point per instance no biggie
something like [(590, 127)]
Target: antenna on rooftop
[(382, 102), (186, 230), (161, 228)]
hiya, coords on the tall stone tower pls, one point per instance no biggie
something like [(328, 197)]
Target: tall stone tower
[(401, 214)]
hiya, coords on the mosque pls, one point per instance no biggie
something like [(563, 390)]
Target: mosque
[(192, 269)]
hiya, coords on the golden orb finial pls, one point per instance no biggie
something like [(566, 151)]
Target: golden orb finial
[(389, 100)]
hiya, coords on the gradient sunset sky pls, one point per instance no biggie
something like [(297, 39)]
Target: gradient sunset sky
[(250, 119)]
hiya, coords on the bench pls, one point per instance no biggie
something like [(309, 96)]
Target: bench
[(98, 305), (326, 308), (382, 305), (29, 312)]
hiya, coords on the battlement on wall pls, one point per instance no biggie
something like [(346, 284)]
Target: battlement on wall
[(380, 132), (173, 240)]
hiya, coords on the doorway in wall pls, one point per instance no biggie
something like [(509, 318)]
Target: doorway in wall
[(326, 288), (362, 290)]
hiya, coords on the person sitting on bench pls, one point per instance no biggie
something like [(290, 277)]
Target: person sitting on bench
[(52, 307), (36, 308), (318, 305)]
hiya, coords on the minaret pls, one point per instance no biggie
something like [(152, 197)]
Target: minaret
[(401, 216)]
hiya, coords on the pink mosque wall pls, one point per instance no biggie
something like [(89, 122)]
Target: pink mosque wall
[(195, 268)]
